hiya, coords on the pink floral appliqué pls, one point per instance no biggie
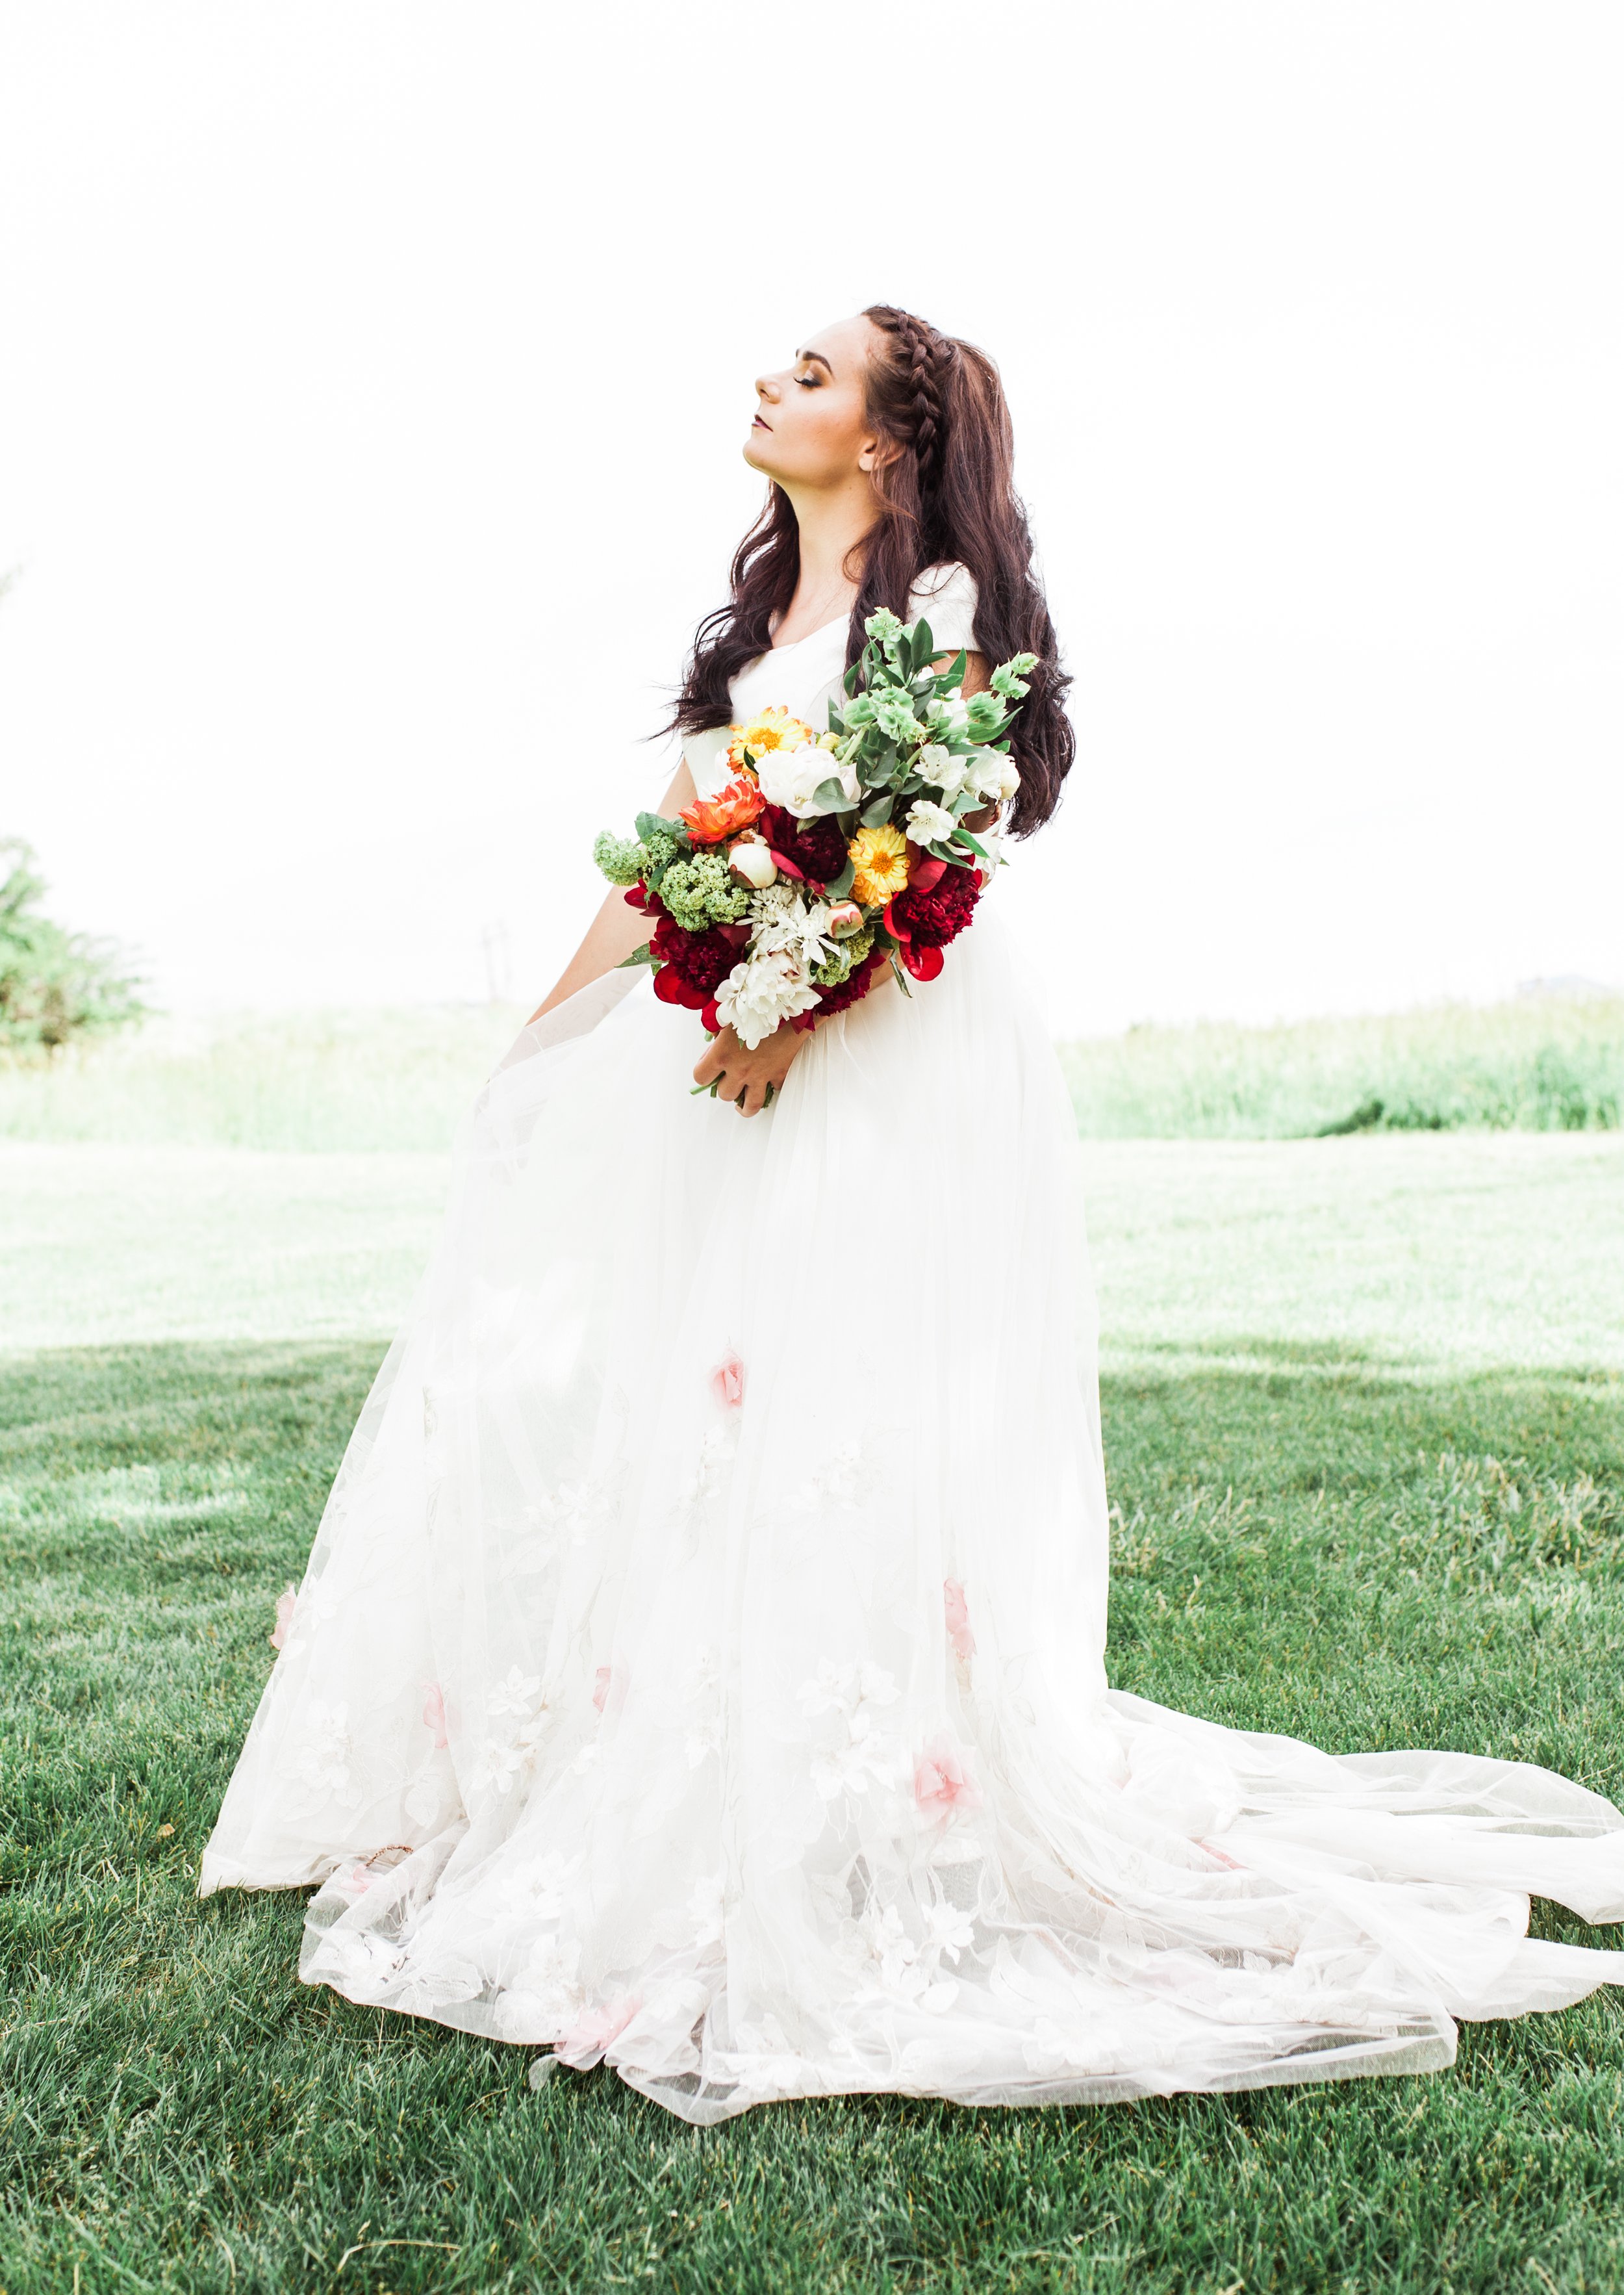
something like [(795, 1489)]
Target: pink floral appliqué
[(585, 2041), (941, 1783), (958, 1612), (433, 1714), (600, 1686), (287, 1601), (728, 1382)]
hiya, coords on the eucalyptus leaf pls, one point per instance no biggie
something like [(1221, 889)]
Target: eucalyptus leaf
[(837, 887), (830, 794), (643, 955), (879, 810)]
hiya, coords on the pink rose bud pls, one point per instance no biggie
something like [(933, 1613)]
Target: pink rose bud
[(753, 864), (844, 919)]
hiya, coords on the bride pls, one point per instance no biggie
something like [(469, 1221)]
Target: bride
[(701, 1665)]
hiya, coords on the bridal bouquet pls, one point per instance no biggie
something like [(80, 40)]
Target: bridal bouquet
[(829, 857)]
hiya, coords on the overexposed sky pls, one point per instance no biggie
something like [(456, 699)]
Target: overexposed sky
[(373, 384)]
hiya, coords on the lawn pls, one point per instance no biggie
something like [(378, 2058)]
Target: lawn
[(1363, 1419)]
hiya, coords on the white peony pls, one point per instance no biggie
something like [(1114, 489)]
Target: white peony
[(756, 995), (752, 863), (928, 823), (791, 778)]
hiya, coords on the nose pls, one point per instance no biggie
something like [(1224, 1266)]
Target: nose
[(766, 386)]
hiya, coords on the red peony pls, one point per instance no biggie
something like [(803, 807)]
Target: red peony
[(816, 846), (693, 966), (932, 918), (857, 983)]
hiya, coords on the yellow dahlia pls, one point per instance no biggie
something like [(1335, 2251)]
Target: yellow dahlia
[(774, 728), (879, 856)]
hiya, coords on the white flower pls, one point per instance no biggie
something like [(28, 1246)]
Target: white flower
[(514, 1694), (791, 778), (498, 1765), (947, 1929), (783, 922), (843, 1688), (941, 768), (865, 1757), (324, 1763), (992, 774), (758, 994), (751, 861), (928, 823)]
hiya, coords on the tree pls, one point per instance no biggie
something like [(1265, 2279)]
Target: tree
[(54, 985)]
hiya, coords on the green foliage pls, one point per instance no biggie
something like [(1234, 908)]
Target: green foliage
[(1314, 1545), (55, 986), (1537, 1064)]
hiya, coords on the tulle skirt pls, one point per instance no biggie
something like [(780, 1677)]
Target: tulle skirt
[(701, 1662)]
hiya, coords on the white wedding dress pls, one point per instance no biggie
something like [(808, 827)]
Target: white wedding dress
[(700, 1666)]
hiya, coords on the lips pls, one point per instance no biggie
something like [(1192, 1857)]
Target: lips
[(759, 425)]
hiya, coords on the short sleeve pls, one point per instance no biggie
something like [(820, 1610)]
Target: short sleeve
[(945, 597)]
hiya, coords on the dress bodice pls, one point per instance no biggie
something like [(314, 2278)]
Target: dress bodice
[(806, 677)]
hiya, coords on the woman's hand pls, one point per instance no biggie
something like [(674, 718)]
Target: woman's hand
[(745, 1076)]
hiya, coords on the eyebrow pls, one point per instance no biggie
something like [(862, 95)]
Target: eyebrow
[(815, 354)]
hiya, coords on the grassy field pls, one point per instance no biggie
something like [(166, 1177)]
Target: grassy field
[(1315, 1544), (1536, 1064), (395, 1080), (1367, 1448)]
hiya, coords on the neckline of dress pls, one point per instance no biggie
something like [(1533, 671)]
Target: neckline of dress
[(839, 621)]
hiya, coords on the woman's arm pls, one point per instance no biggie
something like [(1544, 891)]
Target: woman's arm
[(617, 928)]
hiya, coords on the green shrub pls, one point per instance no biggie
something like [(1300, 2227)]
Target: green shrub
[(54, 985)]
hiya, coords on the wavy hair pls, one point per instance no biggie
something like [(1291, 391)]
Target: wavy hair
[(947, 492)]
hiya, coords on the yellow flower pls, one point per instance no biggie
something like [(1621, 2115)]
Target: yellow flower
[(879, 856), (774, 728)]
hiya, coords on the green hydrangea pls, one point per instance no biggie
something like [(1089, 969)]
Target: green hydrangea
[(848, 956), (661, 846), (699, 892), (622, 859)]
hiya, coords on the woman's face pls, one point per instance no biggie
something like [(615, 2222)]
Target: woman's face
[(812, 429)]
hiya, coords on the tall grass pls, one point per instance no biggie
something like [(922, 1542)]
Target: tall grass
[(400, 1079), (1533, 1063), (300, 1080)]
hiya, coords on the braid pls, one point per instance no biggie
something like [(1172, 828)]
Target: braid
[(925, 357)]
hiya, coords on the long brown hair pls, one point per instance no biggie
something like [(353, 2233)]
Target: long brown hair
[(948, 494)]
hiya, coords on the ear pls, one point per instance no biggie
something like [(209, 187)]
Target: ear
[(877, 453)]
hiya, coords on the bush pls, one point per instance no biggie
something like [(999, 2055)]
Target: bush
[(54, 985)]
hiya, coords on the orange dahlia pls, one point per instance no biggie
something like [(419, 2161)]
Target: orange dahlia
[(880, 857), (710, 819)]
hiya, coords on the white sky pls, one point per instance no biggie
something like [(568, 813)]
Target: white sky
[(375, 377)]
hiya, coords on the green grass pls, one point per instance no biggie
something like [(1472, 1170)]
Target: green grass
[(1370, 1553), (397, 1080), (1537, 1064), (301, 1082)]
